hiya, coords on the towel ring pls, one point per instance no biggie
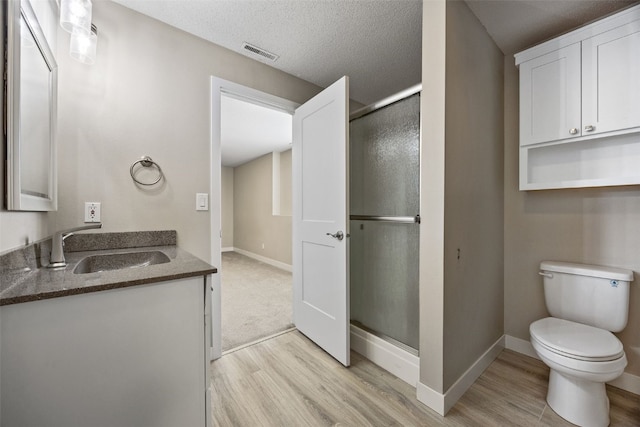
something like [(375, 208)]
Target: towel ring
[(146, 162)]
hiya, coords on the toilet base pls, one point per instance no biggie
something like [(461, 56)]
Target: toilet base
[(584, 403)]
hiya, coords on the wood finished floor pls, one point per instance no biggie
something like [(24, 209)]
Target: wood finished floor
[(289, 381)]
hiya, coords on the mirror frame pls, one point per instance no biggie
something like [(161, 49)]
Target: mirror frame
[(17, 199)]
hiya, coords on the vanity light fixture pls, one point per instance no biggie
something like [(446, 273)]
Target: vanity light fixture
[(75, 18), (75, 14), (83, 45)]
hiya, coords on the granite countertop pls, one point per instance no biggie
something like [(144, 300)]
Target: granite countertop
[(23, 279)]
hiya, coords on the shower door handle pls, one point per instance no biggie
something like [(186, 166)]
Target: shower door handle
[(338, 235)]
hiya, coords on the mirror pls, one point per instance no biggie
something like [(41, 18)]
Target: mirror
[(31, 112)]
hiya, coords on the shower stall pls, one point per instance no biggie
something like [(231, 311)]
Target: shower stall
[(384, 220)]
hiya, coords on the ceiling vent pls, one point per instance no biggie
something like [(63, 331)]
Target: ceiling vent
[(255, 50)]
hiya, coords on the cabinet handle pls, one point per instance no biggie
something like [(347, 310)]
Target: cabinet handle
[(573, 131), (590, 128)]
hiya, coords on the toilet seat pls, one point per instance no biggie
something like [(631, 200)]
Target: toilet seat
[(576, 341)]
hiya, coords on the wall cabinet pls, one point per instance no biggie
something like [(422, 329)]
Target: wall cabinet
[(550, 96), (611, 80), (580, 107)]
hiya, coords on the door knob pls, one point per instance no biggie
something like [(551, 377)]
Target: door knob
[(573, 131), (589, 128), (338, 235)]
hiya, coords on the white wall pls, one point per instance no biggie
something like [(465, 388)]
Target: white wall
[(18, 229)]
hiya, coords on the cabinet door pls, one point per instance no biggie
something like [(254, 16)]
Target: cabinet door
[(550, 96), (611, 80)]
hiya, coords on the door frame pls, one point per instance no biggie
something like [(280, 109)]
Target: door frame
[(244, 93)]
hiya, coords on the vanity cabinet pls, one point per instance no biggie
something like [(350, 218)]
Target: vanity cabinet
[(135, 356), (580, 106)]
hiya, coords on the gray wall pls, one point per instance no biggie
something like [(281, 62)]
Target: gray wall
[(473, 283), (254, 223), (462, 194), (254, 195), (147, 94), (595, 226)]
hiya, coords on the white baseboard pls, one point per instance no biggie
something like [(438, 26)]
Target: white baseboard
[(399, 362), (626, 381), (431, 398), (467, 379), (227, 249), (441, 403), (273, 262), (520, 346)]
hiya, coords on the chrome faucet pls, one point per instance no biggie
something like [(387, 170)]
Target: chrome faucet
[(57, 244)]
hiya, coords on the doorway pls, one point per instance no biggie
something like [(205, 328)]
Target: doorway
[(254, 249), (256, 222)]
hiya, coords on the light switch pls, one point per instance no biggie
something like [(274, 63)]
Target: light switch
[(202, 202)]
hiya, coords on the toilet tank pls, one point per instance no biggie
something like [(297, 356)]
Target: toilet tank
[(590, 294)]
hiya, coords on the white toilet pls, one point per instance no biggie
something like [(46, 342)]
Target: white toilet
[(586, 302)]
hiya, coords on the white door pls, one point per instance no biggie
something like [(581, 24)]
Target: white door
[(320, 208)]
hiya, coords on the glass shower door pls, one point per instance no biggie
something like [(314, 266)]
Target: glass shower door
[(384, 203)]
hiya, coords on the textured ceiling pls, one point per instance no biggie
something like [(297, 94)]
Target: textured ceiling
[(376, 43), (518, 24)]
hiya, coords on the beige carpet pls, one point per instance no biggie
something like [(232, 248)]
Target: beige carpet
[(256, 300)]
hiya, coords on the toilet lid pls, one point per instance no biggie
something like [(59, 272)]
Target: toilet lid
[(576, 340)]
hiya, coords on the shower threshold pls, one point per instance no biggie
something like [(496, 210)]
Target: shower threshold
[(387, 338)]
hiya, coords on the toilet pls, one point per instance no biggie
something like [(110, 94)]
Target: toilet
[(587, 303)]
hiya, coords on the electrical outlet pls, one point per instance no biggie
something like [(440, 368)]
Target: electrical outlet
[(92, 212)]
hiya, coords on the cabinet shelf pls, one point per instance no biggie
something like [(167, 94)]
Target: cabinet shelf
[(595, 162)]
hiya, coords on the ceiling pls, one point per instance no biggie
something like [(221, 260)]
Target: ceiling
[(518, 24), (249, 131), (377, 43)]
